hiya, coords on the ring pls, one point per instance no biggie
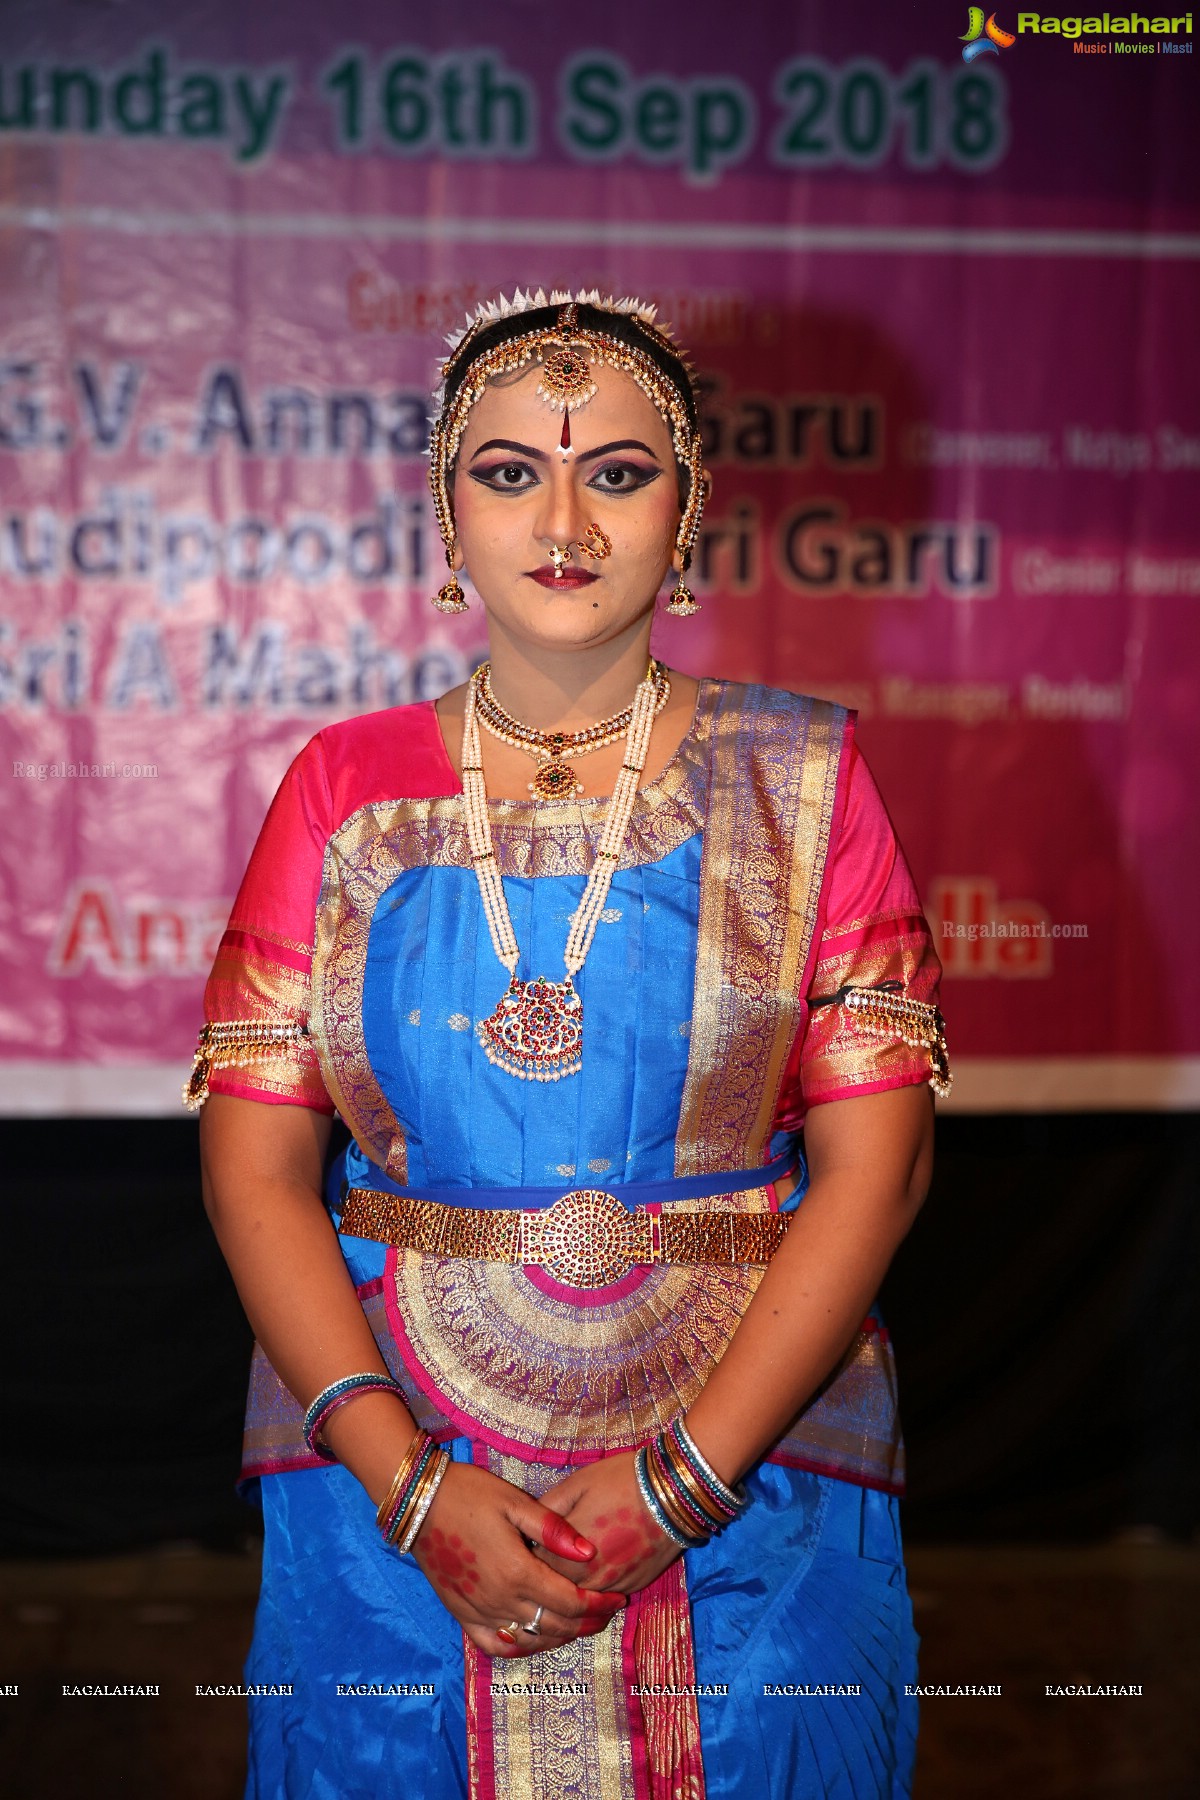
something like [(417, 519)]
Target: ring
[(534, 1626), (508, 1632)]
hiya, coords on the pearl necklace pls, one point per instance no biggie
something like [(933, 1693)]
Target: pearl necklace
[(536, 1031), (555, 777)]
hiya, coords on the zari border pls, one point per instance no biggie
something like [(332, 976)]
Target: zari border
[(774, 771), (776, 762), (587, 1735)]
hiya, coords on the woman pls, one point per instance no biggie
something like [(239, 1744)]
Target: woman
[(573, 953)]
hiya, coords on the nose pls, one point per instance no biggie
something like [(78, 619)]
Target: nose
[(560, 517)]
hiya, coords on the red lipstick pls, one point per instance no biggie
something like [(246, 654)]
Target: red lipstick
[(567, 581)]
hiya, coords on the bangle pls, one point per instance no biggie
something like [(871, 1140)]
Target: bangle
[(674, 1495), (335, 1395), (403, 1508), (731, 1501), (681, 1490), (640, 1469), (426, 1500), (391, 1503), (396, 1523)]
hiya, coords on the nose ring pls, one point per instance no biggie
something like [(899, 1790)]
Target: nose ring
[(594, 543)]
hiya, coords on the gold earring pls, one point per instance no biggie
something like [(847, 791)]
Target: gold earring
[(450, 597), (683, 604)]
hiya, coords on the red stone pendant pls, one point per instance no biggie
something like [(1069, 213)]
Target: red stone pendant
[(536, 1032), (554, 779)]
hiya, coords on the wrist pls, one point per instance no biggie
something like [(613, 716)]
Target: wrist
[(370, 1438), (685, 1496)]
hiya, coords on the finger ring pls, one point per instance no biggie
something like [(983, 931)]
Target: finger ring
[(508, 1632), (534, 1626)]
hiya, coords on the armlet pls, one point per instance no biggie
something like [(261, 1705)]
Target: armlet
[(230, 1041), (883, 1012)]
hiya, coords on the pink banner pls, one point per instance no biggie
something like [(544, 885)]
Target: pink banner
[(943, 291)]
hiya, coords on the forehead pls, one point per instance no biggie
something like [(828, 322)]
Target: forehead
[(511, 407)]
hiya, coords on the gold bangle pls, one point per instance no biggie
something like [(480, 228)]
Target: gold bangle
[(689, 1482), (407, 1464), (403, 1521), (667, 1500)]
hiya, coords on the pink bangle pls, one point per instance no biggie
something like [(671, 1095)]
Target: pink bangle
[(335, 1395)]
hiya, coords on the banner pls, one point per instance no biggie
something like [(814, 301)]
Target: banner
[(941, 280)]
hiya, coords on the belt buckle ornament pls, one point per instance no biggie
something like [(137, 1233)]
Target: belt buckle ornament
[(587, 1239)]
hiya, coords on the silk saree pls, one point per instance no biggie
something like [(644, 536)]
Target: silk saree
[(761, 881)]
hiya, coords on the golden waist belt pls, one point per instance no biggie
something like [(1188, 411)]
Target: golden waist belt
[(586, 1239)]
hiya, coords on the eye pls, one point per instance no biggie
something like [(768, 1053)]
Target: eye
[(623, 477), (505, 477)]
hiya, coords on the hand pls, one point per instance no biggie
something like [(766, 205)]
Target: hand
[(472, 1550), (604, 1502)]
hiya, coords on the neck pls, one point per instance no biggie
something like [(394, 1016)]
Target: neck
[(569, 688)]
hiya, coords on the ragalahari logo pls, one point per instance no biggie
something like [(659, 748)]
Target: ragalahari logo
[(984, 39)]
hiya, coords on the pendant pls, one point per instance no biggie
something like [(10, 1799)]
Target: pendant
[(554, 779), (536, 1032)]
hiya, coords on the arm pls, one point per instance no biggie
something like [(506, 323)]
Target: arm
[(262, 1169), (870, 1161)]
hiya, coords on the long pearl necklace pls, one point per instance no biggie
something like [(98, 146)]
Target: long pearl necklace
[(536, 1031)]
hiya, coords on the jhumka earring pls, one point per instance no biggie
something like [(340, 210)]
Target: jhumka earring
[(683, 604), (450, 597)]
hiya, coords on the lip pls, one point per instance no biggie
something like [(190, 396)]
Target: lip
[(563, 583)]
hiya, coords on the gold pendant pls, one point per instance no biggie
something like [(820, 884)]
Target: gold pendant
[(554, 779)]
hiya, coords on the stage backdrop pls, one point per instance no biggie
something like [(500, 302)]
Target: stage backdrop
[(943, 283)]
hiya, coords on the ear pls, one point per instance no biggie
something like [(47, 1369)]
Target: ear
[(455, 557)]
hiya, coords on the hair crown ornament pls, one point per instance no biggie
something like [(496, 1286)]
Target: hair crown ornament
[(568, 336)]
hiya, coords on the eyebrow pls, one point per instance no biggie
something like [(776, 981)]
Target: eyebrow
[(581, 456)]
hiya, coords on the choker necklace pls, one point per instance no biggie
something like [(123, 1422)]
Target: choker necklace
[(536, 1031), (555, 777)]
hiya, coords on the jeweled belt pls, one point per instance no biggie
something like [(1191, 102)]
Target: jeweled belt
[(587, 1238)]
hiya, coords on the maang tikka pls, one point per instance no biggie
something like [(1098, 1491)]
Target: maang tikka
[(584, 331)]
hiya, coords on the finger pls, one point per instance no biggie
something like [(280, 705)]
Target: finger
[(601, 1613), (562, 1539)]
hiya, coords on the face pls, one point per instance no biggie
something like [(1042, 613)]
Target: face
[(516, 494)]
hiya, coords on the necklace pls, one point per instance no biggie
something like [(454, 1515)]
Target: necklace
[(536, 1031), (555, 777)]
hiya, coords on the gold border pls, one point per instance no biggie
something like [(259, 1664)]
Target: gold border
[(775, 765), (560, 1747)]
